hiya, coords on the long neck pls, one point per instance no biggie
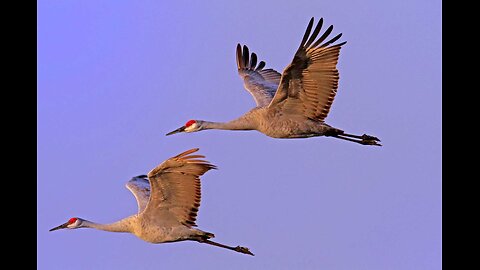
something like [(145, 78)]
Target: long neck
[(241, 123), (124, 225)]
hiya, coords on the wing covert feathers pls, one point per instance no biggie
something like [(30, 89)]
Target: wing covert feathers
[(175, 186)]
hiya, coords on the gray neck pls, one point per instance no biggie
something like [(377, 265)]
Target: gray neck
[(242, 123), (124, 225)]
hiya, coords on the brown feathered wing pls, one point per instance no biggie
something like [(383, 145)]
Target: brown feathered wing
[(309, 84), (175, 189)]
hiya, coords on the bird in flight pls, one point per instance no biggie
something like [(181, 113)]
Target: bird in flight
[(168, 199), (293, 104)]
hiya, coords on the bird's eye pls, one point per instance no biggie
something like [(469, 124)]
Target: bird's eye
[(190, 122)]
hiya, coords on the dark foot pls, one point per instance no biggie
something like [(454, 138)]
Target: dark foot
[(370, 142), (243, 250), (369, 138), (364, 139)]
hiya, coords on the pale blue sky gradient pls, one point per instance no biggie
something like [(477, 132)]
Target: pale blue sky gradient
[(115, 76)]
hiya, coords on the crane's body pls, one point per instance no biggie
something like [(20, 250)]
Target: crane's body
[(293, 104), (168, 199), (151, 232), (273, 123)]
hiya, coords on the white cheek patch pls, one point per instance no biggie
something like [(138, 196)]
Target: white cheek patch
[(191, 128), (74, 224)]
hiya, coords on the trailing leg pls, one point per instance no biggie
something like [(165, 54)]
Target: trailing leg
[(240, 249), (361, 139)]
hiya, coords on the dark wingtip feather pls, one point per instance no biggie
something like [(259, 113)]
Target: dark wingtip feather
[(314, 34), (331, 40), (239, 56), (323, 37), (246, 55), (253, 61), (260, 66), (307, 33)]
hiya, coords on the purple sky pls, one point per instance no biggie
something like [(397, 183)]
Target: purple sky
[(115, 76)]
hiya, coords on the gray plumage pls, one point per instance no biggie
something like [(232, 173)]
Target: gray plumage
[(293, 104), (168, 201)]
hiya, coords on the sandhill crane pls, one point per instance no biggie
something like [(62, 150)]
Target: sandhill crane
[(168, 200), (293, 104)]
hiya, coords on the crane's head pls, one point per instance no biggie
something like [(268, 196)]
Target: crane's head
[(190, 126), (73, 223)]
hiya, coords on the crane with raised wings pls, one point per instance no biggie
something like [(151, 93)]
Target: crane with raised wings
[(293, 104)]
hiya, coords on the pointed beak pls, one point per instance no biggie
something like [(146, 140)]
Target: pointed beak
[(178, 130), (63, 226)]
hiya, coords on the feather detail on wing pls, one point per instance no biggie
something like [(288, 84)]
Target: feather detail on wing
[(140, 188), (309, 84), (175, 189), (261, 83)]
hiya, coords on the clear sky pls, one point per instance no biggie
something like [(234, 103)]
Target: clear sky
[(115, 76)]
